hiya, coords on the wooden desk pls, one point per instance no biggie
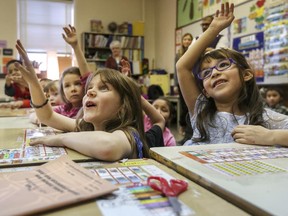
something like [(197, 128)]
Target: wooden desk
[(7, 112), (258, 194), (197, 198)]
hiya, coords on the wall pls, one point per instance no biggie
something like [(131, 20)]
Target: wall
[(8, 22), (165, 34), (159, 17), (241, 11)]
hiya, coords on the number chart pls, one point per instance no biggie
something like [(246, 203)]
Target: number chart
[(239, 161)]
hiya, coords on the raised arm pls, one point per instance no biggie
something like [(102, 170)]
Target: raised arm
[(43, 109), (187, 62), (155, 117), (70, 37)]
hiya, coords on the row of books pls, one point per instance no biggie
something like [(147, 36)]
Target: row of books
[(104, 40)]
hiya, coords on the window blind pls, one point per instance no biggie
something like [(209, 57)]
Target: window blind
[(41, 22)]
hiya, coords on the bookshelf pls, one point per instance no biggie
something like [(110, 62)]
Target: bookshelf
[(96, 48)]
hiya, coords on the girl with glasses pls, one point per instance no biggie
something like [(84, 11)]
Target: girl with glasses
[(222, 93)]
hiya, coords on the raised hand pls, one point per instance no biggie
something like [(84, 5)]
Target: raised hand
[(223, 17), (70, 35), (27, 70), (125, 68)]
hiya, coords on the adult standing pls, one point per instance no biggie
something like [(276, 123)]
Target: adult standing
[(114, 61), (185, 43)]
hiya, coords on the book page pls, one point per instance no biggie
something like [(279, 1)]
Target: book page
[(54, 184)]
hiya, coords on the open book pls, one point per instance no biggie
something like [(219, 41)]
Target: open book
[(57, 183)]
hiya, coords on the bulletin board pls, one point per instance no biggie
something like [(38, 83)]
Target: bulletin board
[(188, 11)]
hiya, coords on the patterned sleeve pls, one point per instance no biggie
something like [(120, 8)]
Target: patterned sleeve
[(276, 120)]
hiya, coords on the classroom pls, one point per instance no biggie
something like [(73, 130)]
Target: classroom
[(147, 109)]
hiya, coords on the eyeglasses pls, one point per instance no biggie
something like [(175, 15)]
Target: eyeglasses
[(220, 66)]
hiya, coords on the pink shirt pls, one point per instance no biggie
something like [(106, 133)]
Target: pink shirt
[(66, 110), (168, 137)]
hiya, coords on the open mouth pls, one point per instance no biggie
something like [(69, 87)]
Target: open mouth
[(90, 104), (218, 82)]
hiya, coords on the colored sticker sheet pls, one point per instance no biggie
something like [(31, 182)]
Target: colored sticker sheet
[(28, 153), (134, 195), (236, 154), (140, 200), (244, 168), (239, 161), (129, 174)]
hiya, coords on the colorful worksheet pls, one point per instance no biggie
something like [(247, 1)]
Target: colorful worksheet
[(134, 196), (239, 161), (26, 153)]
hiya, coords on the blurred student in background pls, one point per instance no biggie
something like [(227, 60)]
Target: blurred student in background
[(165, 108), (274, 100), (16, 87)]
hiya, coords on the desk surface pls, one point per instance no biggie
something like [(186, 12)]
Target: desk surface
[(7, 112), (13, 144), (197, 198), (248, 177)]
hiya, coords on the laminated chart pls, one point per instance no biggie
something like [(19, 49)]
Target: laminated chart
[(134, 196), (240, 161), (26, 153)]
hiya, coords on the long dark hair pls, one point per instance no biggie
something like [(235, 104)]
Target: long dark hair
[(249, 101), (129, 117)]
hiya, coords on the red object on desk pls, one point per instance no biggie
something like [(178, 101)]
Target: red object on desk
[(171, 189)]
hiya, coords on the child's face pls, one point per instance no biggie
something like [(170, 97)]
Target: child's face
[(73, 89), (54, 98), (163, 108), (101, 103), (223, 86), (14, 73), (273, 98)]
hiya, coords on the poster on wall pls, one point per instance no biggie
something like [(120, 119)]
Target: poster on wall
[(188, 11), (7, 55), (252, 47)]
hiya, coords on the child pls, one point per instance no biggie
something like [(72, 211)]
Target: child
[(226, 94), (165, 108), (274, 99), (16, 86), (112, 123), (51, 91), (44, 82), (73, 79), (154, 136), (71, 91)]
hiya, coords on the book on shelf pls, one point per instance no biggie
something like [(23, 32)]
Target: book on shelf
[(136, 68), (57, 183)]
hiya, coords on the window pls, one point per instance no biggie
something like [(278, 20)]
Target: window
[(40, 29)]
